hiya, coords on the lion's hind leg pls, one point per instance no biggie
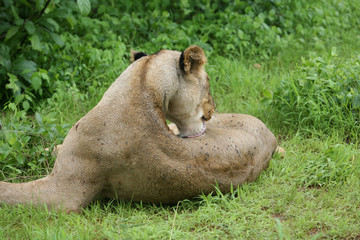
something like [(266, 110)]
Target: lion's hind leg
[(68, 191)]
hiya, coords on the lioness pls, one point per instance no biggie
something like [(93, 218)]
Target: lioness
[(123, 147)]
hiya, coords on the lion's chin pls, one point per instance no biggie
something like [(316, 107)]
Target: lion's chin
[(193, 133)]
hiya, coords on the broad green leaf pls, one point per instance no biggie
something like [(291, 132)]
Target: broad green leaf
[(5, 62), (4, 50), (267, 93), (26, 105), (4, 26), (24, 67), (20, 159), (59, 12), (14, 11), (53, 23), (19, 22), (8, 3), (36, 82), (84, 6), (240, 34), (57, 39), (44, 75), (25, 139), (71, 20), (11, 32), (5, 149), (28, 97), (11, 138), (4, 57), (35, 42), (30, 27), (39, 4), (49, 27)]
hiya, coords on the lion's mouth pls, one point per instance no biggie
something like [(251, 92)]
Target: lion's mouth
[(202, 131)]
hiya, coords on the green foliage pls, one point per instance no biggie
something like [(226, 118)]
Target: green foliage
[(84, 6), (26, 144), (322, 95), (73, 41), (29, 35), (60, 68), (280, 204), (337, 165), (240, 28)]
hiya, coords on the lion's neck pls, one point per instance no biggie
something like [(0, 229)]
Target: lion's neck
[(164, 83), (141, 80)]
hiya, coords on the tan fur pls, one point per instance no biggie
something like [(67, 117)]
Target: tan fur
[(123, 148)]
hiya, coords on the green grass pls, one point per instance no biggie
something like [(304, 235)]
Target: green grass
[(311, 193), (238, 86), (321, 95), (284, 203)]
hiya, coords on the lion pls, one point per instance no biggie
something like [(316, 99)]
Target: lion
[(124, 149)]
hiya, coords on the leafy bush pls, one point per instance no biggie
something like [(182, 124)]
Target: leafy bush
[(240, 28), (26, 144), (30, 36), (322, 95), (53, 40)]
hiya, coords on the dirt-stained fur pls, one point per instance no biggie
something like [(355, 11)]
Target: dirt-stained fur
[(123, 147)]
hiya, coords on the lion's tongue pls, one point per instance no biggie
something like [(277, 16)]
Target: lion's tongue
[(198, 134)]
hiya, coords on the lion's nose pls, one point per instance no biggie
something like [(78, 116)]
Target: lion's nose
[(207, 117)]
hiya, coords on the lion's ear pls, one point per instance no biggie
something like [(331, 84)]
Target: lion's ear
[(192, 59), (136, 55)]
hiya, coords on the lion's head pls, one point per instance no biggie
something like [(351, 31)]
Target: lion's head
[(191, 104)]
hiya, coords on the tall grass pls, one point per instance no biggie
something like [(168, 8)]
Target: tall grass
[(321, 96), (311, 193), (238, 86), (312, 106), (284, 203)]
